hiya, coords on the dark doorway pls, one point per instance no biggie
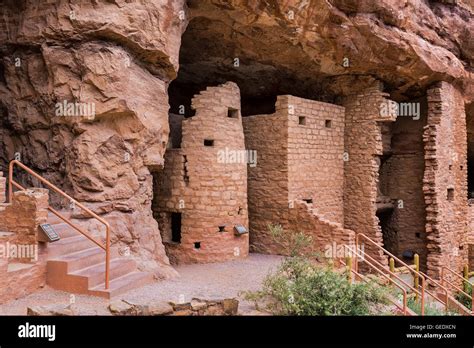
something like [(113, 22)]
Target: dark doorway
[(389, 233), (176, 227)]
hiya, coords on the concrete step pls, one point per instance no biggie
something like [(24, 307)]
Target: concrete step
[(69, 245), (78, 260), (123, 284), (95, 274)]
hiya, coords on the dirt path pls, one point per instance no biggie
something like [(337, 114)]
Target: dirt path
[(205, 281)]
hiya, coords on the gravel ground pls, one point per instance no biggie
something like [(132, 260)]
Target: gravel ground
[(205, 281)]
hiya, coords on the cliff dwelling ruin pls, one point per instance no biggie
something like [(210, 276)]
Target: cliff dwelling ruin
[(215, 119)]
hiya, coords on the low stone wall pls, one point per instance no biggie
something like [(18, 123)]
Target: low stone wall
[(22, 258), (197, 307), (325, 234)]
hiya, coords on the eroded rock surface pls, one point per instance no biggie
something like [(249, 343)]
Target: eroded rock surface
[(120, 57), (117, 56), (301, 46)]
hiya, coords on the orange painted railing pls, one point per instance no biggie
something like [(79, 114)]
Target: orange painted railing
[(417, 274), (444, 280), (404, 307), (105, 247), (446, 291), (425, 279)]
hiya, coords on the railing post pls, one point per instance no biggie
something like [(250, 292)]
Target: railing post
[(107, 257), (356, 264), (416, 280), (472, 299), (392, 265), (466, 277), (10, 179), (422, 296), (349, 269)]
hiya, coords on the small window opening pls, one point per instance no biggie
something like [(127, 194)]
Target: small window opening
[(197, 245), (302, 120), (185, 167), (418, 235), (222, 228), (232, 113), (328, 123), (308, 200), (450, 194), (208, 142)]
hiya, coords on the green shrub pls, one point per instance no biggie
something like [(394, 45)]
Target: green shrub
[(463, 298), (300, 287), (430, 309)]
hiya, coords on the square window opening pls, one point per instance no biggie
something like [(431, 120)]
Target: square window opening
[(301, 120), (232, 113), (208, 142), (328, 123), (450, 194)]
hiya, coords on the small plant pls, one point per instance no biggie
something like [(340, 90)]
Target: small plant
[(465, 300), (294, 243), (302, 287), (430, 309)]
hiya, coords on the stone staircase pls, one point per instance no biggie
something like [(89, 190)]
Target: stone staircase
[(77, 265)]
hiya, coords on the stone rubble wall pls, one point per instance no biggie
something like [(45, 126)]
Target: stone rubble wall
[(197, 307), (446, 169)]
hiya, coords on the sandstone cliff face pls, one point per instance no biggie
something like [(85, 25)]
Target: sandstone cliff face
[(323, 48), (120, 56), (117, 56)]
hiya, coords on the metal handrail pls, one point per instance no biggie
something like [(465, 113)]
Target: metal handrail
[(413, 289), (105, 247), (416, 273), (443, 268), (404, 292), (446, 290)]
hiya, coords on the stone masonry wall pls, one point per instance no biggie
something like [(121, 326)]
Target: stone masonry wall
[(324, 233), (363, 146), (21, 275), (445, 180), (27, 211), (315, 148), (206, 181), (297, 159), (402, 181), (268, 180)]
